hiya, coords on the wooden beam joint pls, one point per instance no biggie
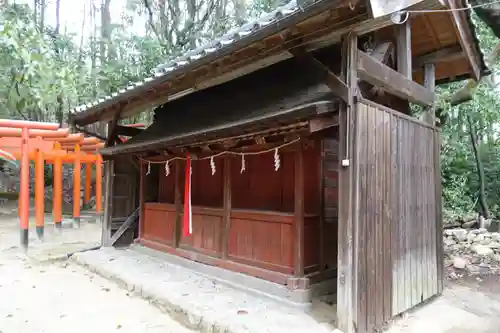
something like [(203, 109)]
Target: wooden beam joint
[(378, 74)]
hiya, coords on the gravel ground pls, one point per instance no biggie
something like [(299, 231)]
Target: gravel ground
[(55, 296)]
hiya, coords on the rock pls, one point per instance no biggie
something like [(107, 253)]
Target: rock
[(478, 239), (473, 269), (459, 234), (470, 237), (494, 226), (495, 236), (494, 245), (482, 230), (449, 241), (475, 232), (475, 260), (459, 263), (496, 257), (486, 241), (468, 225), (482, 250)]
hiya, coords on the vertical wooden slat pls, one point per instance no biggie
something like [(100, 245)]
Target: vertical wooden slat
[(299, 214), (387, 214), (403, 49), (439, 222), (377, 185), (226, 221), (363, 254)]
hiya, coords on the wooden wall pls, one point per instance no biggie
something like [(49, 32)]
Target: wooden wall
[(397, 214), (261, 228)]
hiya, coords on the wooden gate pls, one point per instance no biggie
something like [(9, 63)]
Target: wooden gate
[(396, 214), (123, 174)]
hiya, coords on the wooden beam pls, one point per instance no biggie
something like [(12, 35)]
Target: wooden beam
[(430, 83), (465, 38), (132, 219), (128, 131), (382, 52), (298, 262), (316, 67), (378, 74), (112, 128), (323, 122), (446, 54)]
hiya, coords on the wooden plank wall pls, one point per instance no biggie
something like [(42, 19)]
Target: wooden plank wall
[(397, 225), (125, 199)]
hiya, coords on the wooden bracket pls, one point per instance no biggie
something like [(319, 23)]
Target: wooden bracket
[(133, 218), (112, 128), (331, 80)]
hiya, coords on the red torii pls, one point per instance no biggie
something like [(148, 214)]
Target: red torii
[(47, 139)]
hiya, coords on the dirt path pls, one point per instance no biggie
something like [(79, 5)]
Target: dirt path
[(471, 305), (55, 296)]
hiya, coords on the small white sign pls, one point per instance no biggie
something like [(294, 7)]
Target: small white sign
[(386, 7)]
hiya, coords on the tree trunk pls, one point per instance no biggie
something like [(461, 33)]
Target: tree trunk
[(480, 170)]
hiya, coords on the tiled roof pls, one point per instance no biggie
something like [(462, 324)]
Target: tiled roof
[(193, 55)]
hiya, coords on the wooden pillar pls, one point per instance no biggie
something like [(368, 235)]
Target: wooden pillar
[(179, 179), (98, 184), (298, 262), (226, 220), (142, 172), (57, 190), (403, 59), (403, 49), (77, 177), (108, 202), (39, 194), (347, 267), (24, 188), (88, 182)]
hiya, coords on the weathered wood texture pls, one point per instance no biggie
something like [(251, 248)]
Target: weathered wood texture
[(398, 218), (258, 229), (125, 199)]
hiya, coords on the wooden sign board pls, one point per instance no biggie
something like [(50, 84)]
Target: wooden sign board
[(381, 8)]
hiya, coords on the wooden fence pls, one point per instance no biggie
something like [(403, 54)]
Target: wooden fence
[(397, 214)]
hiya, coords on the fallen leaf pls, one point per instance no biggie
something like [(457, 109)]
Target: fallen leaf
[(242, 312)]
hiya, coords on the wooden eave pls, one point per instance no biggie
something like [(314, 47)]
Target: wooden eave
[(302, 118)]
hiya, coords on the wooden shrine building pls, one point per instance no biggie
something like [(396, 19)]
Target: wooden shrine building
[(292, 144)]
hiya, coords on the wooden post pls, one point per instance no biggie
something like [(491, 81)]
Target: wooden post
[(88, 182), (77, 176), (430, 83), (226, 220), (403, 49), (39, 194), (141, 198), (108, 202), (347, 267), (57, 195), (404, 57), (178, 201), (299, 213), (98, 184)]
